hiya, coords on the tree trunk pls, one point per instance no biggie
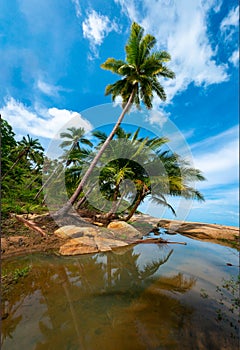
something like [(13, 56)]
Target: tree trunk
[(134, 208), (14, 164), (120, 201), (83, 199), (115, 203), (79, 189), (45, 184)]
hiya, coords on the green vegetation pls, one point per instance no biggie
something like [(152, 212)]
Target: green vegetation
[(21, 170), (10, 278), (22, 186), (234, 244)]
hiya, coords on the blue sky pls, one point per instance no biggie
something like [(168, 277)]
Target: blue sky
[(51, 51)]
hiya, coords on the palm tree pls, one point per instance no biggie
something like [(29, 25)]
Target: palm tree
[(176, 182), (74, 138), (155, 172), (28, 148), (139, 80)]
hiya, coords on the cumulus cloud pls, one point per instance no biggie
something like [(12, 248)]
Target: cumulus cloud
[(180, 27), (157, 117), (95, 28), (39, 122)]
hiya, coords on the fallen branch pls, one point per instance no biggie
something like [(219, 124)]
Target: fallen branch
[(155, 240), (31, 225)]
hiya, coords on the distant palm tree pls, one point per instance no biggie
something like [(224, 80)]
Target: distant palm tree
[(28, 148), (139, 80), (74, 137)]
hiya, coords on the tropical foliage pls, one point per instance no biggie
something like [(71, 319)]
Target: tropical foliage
[(141, 167), (132, 168), (21, 170)]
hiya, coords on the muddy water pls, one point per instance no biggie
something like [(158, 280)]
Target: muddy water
[(143, 297)]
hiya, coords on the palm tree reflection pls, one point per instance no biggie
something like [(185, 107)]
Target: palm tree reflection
[(92, 301)]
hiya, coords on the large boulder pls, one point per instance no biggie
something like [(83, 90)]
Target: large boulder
[(122, 230), (72, 231), (75, 246), (89, 245)]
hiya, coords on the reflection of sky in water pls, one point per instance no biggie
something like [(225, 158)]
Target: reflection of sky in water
[(132, 298)]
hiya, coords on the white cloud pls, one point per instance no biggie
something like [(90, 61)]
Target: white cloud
[(217, 6), (221, 206), (129, 8), (180, 27), (77, 7), (95, 28), (232, 19), (39, 122), (157, 117), (47, 89), (235, 58), (217, 157)]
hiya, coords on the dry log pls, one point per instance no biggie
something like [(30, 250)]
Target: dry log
[(31, 225), (155, 240)]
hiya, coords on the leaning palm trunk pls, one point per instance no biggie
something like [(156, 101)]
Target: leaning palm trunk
[(45, 183), (84, 198), (135, 206), (72, 200), (115, 207), (112, 211)]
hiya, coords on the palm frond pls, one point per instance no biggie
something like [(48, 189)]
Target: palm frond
[(132, 47), (102, 136), (113, 65)]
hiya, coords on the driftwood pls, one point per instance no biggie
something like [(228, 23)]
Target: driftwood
[(31, 225), (155, 240)]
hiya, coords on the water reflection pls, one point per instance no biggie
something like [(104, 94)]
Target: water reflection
[(116, 300)]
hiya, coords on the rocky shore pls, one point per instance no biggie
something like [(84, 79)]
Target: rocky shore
[(81, 235)]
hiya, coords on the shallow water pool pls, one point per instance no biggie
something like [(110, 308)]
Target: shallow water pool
[(148, 296)]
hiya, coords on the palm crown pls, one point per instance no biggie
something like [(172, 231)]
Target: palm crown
[(141, 70)]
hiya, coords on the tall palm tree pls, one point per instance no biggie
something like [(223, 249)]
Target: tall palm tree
[(139, 80), (28, 148)]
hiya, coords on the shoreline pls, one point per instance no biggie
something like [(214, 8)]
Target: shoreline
[(17, 239)]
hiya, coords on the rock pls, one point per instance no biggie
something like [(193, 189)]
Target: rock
[(77, 246), (122, 230), (87, 245), (106, 244), (73, 231)]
